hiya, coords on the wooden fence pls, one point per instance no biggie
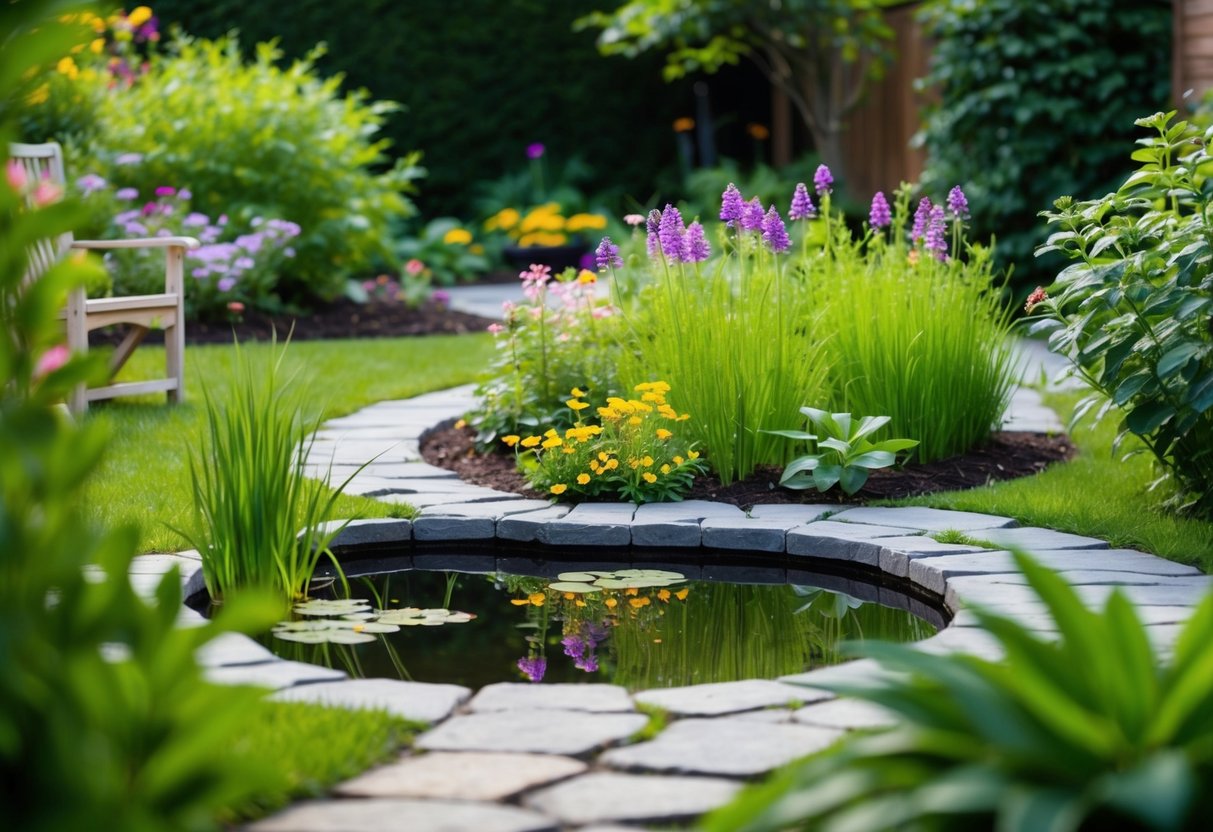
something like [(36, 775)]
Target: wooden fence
[(1192, 49)]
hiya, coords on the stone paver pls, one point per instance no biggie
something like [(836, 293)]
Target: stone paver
[(752, 534), (721, 747), (525, 527), (791, 514), (833, 540), (374, 531), (465, 775), (930, 519), (543, 732), (1033, 539), (727, 697), (274, 675), (413, 815), (232, 649), (591, 524), (846, 713), (632, 798), (513, 696), (420, 701)]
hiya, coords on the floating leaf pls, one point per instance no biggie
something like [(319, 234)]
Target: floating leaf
[(573, 586), (651, 573), (581, 577), (358, 616), (412, 617), (344, 606)]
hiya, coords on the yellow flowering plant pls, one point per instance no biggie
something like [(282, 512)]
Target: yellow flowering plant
[(448, 251), (635, 452)]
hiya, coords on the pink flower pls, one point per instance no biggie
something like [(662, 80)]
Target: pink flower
[(17, 178), (51, 360), (634, 219), (414, 266), (46, 193), (1039, 295), (441, 297), (235, 306), (165, 190), (534, 151), (496, 329)]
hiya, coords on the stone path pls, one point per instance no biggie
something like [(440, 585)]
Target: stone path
[(516, 757)]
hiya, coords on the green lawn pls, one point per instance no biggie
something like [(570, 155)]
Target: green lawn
[(1097, 494), (145, 476)]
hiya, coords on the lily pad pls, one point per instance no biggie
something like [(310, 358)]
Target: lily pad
[(579, 577), (632, 583), (574, 586), (656, 574), (412, 617), (343, 606), (334, 636)]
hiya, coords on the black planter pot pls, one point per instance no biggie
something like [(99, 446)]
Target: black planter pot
[(558, 257)]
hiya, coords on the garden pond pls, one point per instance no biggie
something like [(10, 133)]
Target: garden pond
[(640, 625)]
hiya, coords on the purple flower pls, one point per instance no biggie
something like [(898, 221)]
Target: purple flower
[(922, 216), (937, 234), (135, 229), (195, 220), (670, 232), (652, 226), (695, 244), (165, 190), (732, 206), (250, 242), (90, 182), (200, 272), (129, 159), (226, 284), (243, 263), (126, 193), (879, 215), (185, 194), (823, 180), (127, 216), (441, 297), (574, 647), (588, 663), (288, 251), (533, 668), (607, 255), (534, 151), (754, 214), (802, 205), (958, 204), (774, 234)]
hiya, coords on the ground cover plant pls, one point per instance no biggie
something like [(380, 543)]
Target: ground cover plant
[(1090, 728), (1132, 313)]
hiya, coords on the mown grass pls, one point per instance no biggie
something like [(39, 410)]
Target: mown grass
[(1096, 494), (144, 478), (312, 748)]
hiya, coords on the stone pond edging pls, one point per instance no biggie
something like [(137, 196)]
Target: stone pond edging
[(523, 758)]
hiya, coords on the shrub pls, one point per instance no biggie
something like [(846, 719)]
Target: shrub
[(634, 454), (1083, 730), (1044, 111), (255, 139), (1133, 312), (444, 252)]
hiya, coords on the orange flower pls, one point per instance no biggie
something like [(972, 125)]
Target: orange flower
[(637, 603)]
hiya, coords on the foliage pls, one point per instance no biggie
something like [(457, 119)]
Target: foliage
[(544, 350), (1045, 111), (932, 351), (1133, 312), (512, 73), (103, 712), (252, 489), (635, 453), (258, 139), (444, 252), (845, 456), (1085, 729), (763, 181), (819, 52)]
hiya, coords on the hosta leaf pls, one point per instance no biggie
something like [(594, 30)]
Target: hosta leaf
[(851, 479), (868, 425), (825, 476), (872, 459), (1148, 416)]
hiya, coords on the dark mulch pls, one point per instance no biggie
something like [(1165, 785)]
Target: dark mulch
[(1006, 456)]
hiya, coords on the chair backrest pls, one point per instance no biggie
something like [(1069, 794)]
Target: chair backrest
[(42, 162)]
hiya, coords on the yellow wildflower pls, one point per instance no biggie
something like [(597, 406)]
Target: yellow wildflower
[(684, 125), (594, 466), (519, 602), (67, 66), (582, 479), (678, 460), (580, 222), (663, 595), (551, 433), (649, 477), (578, 393), (531, 441), (567, 450), (608, 413), (586, 276), (693, 454), (574, 404), (637, 603), (665, 469), (511, 440), (139, 15), (631, 591), (682, 594), (612, 465), (503, 220), (569, 596), (97, 46), (457, 237), (559, 488), (633, 463), (635, 421), (664, 434), (461, 424), (537, 599), (610, 603), (554, 442), (603, 456), (579, 603), (647, 461)]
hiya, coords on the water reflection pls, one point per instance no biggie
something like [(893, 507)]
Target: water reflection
[(636, 628)]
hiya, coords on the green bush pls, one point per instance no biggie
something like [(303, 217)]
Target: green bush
[(257, 139), (1085, 729), (1035, 100), (1133, 312)]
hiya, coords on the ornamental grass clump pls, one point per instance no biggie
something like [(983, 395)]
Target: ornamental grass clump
[(916, 329), (637, 452)]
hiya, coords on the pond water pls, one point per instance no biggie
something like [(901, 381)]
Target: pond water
[(633, 626)]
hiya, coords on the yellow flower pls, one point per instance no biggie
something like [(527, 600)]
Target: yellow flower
[(567, 450), (139, 15), (612, 465), (551, 433), (665, 469), (663, 434), (531, 441), (663, 595), (457, 237), (537, 599), (519, 602), (554, 442), (758, 131), (96, 46), (569, 596), (678, 460), (39, 95), (603, 456), (577, 405), (682, 594), (610, 603), (650, 478), (579, 603), (586, 276), (631, 591), (582, 479), (578, 393), (511, 440), (637, 603), (633, 463), (503, 220), (647, 461), (461, 424), (67, 66), (635, 421), (580, 222), (693, 454), (594, 466), (684, 125), (608, 413), (559, 488)]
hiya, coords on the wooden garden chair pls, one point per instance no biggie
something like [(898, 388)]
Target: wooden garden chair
[(140, 312)]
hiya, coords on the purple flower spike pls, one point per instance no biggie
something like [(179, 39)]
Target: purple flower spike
[(652, 226), (802, 204), (937, 234), (732, 206), (922, 216), (958, 203), (670, 233), (533, 668), (607, 255), (534, 151), (823, 180), (774, 234), (752, 217), (880, 216), (695, 245)]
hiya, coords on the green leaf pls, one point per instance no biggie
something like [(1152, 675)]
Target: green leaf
[(852, 478), (825, 476), (1147, 416), (872, 459), (1174, 360)]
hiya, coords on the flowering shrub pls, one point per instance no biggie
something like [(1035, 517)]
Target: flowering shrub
[(634, 453), (447, 251), (230, 272), (545, 349)]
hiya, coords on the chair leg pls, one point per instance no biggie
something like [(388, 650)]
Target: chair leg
[(174, 336), (77, 342)]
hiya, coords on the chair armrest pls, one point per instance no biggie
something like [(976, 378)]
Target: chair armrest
[(139, 242)]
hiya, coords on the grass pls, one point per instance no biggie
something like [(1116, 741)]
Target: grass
[(312, 748), (144, 478), (1096, 494)]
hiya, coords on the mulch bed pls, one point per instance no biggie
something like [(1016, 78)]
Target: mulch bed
[(1006, 456)]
